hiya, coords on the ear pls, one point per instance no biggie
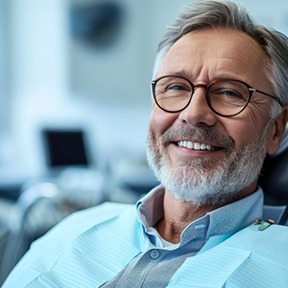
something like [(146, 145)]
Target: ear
[(277, 129)]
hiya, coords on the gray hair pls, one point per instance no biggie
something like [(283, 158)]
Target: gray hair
[(212, 14)]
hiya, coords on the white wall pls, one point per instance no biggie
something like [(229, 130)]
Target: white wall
[(37, 39), (3, 67)]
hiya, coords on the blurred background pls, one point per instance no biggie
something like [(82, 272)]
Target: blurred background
[(82, 66), (75, 99)]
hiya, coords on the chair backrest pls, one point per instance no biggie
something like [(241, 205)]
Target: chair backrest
[(23, 233), (274, 176), (277, 213)]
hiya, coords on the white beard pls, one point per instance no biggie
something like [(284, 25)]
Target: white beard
[(200, 181)]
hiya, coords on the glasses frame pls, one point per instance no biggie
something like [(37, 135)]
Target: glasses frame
[(206, 86)]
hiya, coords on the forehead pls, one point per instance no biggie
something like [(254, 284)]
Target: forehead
[(216, 53)]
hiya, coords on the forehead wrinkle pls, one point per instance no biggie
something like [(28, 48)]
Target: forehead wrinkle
[(199, 74), (200, 69), (182, 73)]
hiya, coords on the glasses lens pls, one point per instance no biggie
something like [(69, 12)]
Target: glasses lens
[(172, 93), (227, 97)]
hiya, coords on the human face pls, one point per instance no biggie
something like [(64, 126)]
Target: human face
[(233, 148)]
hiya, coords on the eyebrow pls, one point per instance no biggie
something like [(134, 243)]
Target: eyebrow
[(182, 73), (189, 76)]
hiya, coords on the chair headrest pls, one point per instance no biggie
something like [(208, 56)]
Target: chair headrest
[(274, 176), (284, 142)]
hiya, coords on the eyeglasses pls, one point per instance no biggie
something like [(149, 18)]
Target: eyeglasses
[(226, 98)]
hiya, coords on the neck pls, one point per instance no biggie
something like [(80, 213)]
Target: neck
[(177, 215)]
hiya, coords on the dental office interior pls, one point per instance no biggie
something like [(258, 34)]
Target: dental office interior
[(75, 104)]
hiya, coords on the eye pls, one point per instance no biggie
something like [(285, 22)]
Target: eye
[(229, 93), (171, 86), (178, 87)]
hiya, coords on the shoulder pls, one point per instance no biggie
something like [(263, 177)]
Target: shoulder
[(271, 242), (249, 258), (82, 221), (71, 244), (97, 214), (254, 231)]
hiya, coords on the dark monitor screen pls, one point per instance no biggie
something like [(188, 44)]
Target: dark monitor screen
[(65, 148)]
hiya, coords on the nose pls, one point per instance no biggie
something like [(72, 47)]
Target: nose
[(198, 111)]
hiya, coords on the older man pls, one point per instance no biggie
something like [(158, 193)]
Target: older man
[(220, 95)]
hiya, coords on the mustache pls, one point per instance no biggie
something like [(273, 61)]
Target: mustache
[(209, 134)]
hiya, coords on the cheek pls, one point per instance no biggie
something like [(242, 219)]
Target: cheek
[(257, 115), (160, 121), (244, 130)]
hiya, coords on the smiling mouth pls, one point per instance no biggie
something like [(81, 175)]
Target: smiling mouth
[(197, 146)]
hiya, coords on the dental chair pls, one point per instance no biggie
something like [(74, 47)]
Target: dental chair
[(274, 177), (274, 182)]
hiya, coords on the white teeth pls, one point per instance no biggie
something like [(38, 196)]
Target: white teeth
[(189, 145), (203, 146), (195, 146)]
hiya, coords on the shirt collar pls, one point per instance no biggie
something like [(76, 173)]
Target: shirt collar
[(150, 207), (227, 219)]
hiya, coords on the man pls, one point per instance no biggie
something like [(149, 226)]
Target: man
[(220, 106)]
